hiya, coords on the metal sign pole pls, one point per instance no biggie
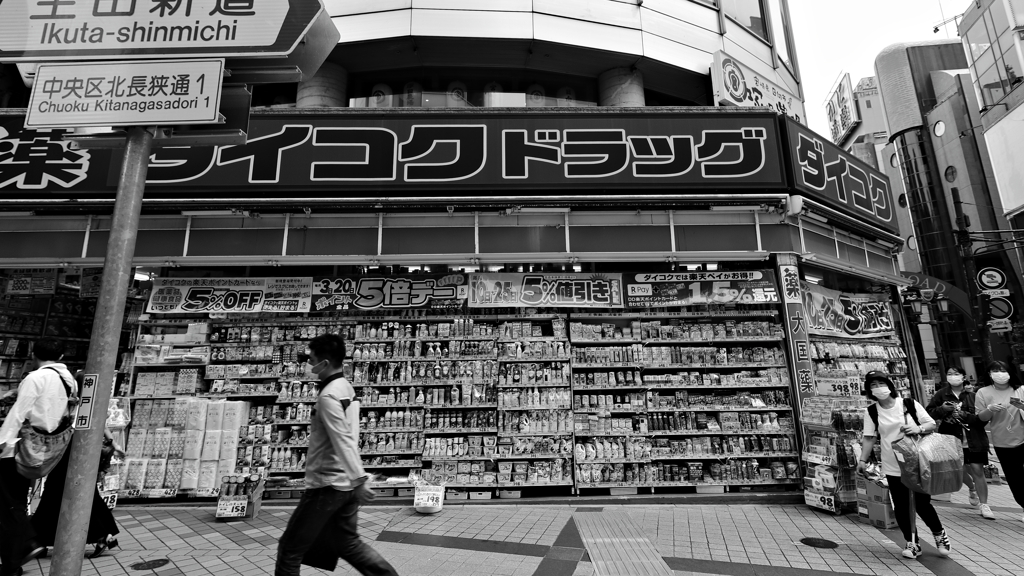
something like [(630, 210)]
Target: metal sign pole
[(83, 467)]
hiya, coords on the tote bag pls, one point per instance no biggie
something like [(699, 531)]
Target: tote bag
[(38, 451)]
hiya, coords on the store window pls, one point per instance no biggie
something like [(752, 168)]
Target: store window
[(749, 14), (780, 32), (995, 62)]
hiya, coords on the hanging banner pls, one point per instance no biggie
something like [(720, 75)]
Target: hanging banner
[(229, 295), (695, 288), (92, 279), (545, 290), (31, 281), (834, 313), (796, 329), (371, 293)]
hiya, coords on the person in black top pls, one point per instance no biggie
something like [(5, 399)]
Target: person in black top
[(953, 407)]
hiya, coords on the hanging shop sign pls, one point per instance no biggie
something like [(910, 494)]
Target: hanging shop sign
[(834, 313), (841, 110), (229, 295), (31, 281), (368, 153), (90, 283), (50, 30), (372, 293), (696, 288), (165, 92), (796, 328), (542, 290), (737, 84)]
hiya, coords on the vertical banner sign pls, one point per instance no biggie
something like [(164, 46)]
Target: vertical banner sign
[(157, 92), (230, 295), (372, 293), (696, 288), (834, 313), (83, 418), (796, 326), (569, 290)]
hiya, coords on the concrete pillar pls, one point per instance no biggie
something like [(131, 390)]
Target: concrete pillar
[(621, 87), (326, 89)]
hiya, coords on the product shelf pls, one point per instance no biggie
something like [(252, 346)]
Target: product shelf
[(423, 339), (529, 456), (613, 434), (454, 458), (386, 466), (609, 409), (287, 445), (535, 385), (531, 484), (753, 366), (435, 432), (381, 406), (615, 461), (523, 408), (391, 453), (291, 423), (720, 387), (391, 430), (610, 387), (725, 409), (532, 434), (531, 339), (606, 342), (725, 483), (722, 433), (532, 359), (695, 457), (587, 365)]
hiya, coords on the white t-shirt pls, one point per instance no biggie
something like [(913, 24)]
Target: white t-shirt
[(889, 423)]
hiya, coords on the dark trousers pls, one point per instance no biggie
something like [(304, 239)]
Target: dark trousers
[(101, 520), (15, 529), (922, 504), (1012, 462), (328, 509)]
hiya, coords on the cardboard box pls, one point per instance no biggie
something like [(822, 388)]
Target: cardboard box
[(877, 493), (881, 516)]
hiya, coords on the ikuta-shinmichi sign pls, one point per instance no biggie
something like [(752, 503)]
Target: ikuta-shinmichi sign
[(126, 93), (55, 30)]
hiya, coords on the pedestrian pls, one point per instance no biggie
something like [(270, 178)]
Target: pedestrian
[(42, 401), (887, 421), (102, 527), (335, 479), (953, 407), (1002, 407)]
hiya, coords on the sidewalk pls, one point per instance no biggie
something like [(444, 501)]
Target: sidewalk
[(683, 540)]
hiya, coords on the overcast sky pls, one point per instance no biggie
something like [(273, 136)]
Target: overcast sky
[(836, 36)]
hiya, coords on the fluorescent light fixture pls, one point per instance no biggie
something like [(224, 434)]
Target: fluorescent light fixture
[(812, 278), (142, 277), (735, 208), (213, 213), (19, 213), (814, 216), (544, 210), (711, 267)]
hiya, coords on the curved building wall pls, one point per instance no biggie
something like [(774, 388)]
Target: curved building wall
[(671, 42)]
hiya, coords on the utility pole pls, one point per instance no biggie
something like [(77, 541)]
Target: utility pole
[(965, 245), (83, 466)]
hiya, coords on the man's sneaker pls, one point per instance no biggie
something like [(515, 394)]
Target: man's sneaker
[(974, 499), (986, 512), (942, 543), (912, 551)]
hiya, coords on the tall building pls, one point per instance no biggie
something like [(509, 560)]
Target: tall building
[(932, 112)]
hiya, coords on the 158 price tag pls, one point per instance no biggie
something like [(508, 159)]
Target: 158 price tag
[(231, 508)]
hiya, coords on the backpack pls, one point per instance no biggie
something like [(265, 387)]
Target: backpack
[(908, 407)]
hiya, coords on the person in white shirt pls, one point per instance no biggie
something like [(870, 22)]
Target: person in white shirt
[(886, 422), (42, 401)]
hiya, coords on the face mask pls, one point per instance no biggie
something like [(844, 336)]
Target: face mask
[(315, 368), (881, 393), (1000, 377), (955, 380)]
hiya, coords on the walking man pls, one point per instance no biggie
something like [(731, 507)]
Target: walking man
[(335, 479)]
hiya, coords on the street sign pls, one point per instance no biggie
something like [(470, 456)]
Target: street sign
[(155, 92), (1002, 293), (998, 326), (991, 278), (52, 30), (999, 308)]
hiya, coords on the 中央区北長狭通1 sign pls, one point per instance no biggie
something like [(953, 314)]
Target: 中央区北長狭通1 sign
[(156, 92)]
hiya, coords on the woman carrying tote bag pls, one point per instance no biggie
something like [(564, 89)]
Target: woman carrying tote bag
[(885, 422)]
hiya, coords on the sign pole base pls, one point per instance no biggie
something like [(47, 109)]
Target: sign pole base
[(83, 466)]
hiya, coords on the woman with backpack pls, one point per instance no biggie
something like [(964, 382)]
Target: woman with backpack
[(1001, 405), (885, 422), (953, 406)]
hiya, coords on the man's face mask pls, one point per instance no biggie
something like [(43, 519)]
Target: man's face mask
[(318, 367)]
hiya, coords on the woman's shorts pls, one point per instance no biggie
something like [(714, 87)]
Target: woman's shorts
[(975, 457)]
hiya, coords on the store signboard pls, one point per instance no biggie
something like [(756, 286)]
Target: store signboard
[(834, 313), (796, 327), (51, 30), (164, 92), (373, 293), (91, 282), (737, 84), (656, 290), (841, 109), (229, 295), (836, 178), (545, 290), (362, 154)]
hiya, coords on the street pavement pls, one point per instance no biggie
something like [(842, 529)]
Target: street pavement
[(604, 540)]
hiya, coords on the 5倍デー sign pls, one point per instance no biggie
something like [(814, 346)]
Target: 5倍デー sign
[(569, 290), (371, 293), (54, 30), (736, 84), (230, 295), (694, 288), (165, 92)]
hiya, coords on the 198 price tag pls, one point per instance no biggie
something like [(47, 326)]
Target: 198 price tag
[(428, 496)]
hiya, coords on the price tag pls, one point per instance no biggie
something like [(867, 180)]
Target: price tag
[(110, 499), (232, 507), (822, 501), (428, 497)]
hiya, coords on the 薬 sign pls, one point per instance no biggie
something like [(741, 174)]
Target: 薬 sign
[(126, 94)]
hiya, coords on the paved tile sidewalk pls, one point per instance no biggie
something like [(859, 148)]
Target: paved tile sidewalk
[(527, 540)]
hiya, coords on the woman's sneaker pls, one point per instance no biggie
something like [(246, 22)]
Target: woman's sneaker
[(912, 551), (974, 499), (942, 543), (986, 512)]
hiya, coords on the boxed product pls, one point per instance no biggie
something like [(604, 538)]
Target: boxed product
[(188, 381), (136, 443), (164, 384), (211, 445), (156, 468), (189, 474), (172, 477), (145, 384), (208, 475), (196, 418), (143, 411), (161, 442), (215, 415)]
